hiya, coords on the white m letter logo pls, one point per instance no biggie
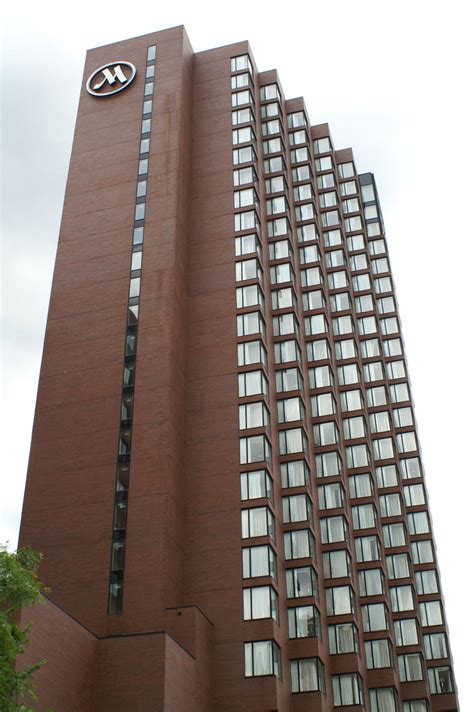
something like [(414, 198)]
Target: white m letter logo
[(109, 77), (117, 74)]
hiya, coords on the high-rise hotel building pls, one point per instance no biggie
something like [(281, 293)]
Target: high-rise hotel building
[(225, 476)]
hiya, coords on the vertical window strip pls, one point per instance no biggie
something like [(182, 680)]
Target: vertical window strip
[(119, 524)]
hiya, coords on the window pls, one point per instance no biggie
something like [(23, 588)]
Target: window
[(324, 164), (357, 456), (270, 91), (401, 598), (243, 155), (431, 613), (306, 233), (348, 374), (354, 427), (294, 474), (307, 675), (346, 170), (440, 680), (262, 658), (339, 600), (418, 523), (246, 244), (239, 98), (410, 667), (244, 198), (260, 602), (258, 561), (241, 63), (274, 165), (378, 653), (252, 383), (360, 486), (348, 187), (367, 325), (393, 347), (333, 529), (373, 371), (325, 433), (383, 448), (328, 464), (390, 505), (374, 617), (406, 632), (283, 298), (304, 622), (272, 109), (322, 145), (403, 417), (426, 582), (327, 180), (301, 582), (331, 496), (394, 535), (251, 352), (253, 415), (379, 422), (286, 351), (250, 296), (370, 582), (376, 396), (290, 379), (277, 205), (315, 324), (243, 135), (299, 544), (298, 155), (256, 484), (321, 375), (361, 282), (363, 516), (386, 475), (367, 548), (415, 706), (243, 116), (272, 127), (258, 521), (297, 508), (297, 137), (398, 566), (351, 400), (337, 280), (399, 393), (395, 369), (285, 324), (254, 449), (246, 221), (347, 689), (382, 699), (297, 119), (250, 323), (282, 273), (279, 249), (292, 441), (436, 646), (422, 551), (337, 564), (343, 639), (309, 254), (346, 348), (410, 467), (313, 300), (342, 325)]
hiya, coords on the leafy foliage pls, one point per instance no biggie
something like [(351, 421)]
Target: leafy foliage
[(19, 587)]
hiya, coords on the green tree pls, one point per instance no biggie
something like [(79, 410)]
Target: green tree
[(19, 587)]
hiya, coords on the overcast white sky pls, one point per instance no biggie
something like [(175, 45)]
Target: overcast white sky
[(394, 80)]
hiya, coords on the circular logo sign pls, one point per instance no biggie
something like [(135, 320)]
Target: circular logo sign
[(111, 78)]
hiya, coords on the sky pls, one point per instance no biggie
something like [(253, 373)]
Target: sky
[(394, 81)]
